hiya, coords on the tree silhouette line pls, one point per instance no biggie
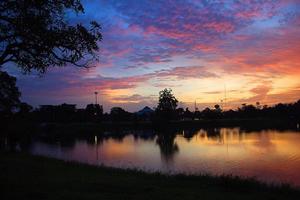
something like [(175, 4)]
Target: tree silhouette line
[(11, 108)]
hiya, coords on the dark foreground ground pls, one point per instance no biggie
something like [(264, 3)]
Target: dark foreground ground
[(30, 177)]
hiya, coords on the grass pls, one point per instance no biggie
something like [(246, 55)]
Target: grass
[(24, 176)]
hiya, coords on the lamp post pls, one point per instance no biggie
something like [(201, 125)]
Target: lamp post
[(96, 97)]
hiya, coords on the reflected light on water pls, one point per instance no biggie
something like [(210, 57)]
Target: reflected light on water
[(268, 155)]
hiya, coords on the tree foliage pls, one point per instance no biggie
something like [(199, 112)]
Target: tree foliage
[(9, 93), (36, 34), (167, 104), (95, 110), (119, 114), (167, 101)]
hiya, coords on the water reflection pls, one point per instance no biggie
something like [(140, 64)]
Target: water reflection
[(167, 146), (269, 155)]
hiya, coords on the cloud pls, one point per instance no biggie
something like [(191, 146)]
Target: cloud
[(135, 98), (146, 32), (179, 73), (186, 72), (73, 81), (167, 43), (186, 25), (219, 92), (260, 92)]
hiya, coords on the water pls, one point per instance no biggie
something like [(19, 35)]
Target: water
[(268, 155)]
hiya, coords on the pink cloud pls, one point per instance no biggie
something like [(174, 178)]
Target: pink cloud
[(174, 34), (220, 27)]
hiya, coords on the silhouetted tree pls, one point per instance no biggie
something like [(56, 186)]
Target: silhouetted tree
[(280, 109), (119, 114), (258, 106), (229, 114), (296, 110), (57, 113), (197, 114), (218, 111), (9, 93), (167, 104), (24, 112), (25, 108), (180, 113), (217, 107), (66, 112), (248, 111), (94, 111), (35, 35), (207, 113), (188, 114)]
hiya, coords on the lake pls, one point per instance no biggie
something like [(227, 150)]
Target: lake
[(268, 155)]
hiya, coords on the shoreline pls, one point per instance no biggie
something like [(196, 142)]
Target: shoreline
[(37, 177), (73, 128)]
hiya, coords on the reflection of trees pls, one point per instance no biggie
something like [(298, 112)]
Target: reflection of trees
[(213, 132), (67, 142), (118, 138), (188, 134), (8, 144), (14, 144), (144, 135), (167, 145)]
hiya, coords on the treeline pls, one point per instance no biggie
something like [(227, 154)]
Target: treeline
[(281, 110), (12, 109), (94, 113)]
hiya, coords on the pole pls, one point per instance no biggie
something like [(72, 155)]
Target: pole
[(224, 96), (96, 96)]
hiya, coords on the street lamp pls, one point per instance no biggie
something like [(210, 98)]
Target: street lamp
[(96, 96)]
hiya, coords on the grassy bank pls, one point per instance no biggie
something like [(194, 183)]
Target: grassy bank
[(31, 177)]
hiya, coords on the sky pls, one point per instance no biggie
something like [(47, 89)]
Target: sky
[(206, 51)]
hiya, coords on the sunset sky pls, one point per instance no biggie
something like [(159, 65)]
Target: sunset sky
[(197, 48)]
